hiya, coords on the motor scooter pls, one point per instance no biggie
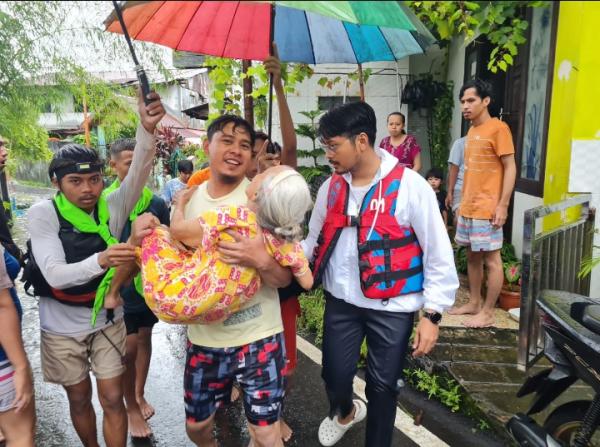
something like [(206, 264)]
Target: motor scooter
[(572, 345)]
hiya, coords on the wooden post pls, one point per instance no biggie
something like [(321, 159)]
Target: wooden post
[(361, 83), (247, 91), (86, 120)]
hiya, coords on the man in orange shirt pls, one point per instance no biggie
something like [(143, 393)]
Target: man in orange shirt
[(489, 179), (199, 177)]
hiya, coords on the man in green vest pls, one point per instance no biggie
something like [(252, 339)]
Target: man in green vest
[(74, 246), (138, 317)]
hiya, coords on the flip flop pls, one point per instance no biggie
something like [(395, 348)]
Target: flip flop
[(331, 431)]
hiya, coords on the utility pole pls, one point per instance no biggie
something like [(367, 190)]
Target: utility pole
[(247, 91), (86, 120), (361, 82)]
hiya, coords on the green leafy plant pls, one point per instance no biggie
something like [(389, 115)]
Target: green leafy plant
[(309, 130), (460, 259), (330, 82), (80, 139), (512, 275), (227, 93), (439, 126), (591, 262), (483, 425), (32, 52), (446, 390), (507, 253), (313, 306), (500, 21), (362, 361)]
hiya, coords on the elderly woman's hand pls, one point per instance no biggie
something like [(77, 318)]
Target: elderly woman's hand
[(142, 227), (183, 197)]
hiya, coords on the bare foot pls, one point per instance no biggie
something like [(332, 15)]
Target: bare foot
[(481, 319), (146, 409), (466, 309), (112, 301), (138, 427), (286, 431), (235, 392)]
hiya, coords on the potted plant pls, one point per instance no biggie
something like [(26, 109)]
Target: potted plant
[(510, 296)]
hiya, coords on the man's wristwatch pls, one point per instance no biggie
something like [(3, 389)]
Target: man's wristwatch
[(434, 317)]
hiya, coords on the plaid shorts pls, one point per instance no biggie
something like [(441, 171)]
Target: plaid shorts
[(258, 367), (479, 234)]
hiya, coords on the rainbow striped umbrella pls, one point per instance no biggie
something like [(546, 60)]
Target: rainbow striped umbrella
[(312, 32)]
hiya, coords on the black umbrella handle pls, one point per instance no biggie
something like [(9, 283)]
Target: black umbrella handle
[(144, 84), (139, 71)]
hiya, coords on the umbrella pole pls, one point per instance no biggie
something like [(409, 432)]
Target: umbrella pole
[(361, 82), (271, 38)]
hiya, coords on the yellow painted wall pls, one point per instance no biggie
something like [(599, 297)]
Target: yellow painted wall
[(575, 93)]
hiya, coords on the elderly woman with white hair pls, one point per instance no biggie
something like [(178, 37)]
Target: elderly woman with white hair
[(184, 278)]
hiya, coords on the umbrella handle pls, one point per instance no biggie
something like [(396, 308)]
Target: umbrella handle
[(271, 39), (141, 74), (144, 84)]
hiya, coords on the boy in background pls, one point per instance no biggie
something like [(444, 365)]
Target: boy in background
[(435, 177), (456, 172), (185, 169)]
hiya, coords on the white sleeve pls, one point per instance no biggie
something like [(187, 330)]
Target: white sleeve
[(317, 218), (43, 227), (122, 200), (439, 272)]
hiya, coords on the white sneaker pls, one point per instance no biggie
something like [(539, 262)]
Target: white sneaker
[(331, 431)]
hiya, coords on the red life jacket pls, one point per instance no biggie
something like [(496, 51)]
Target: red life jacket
[(390, 258)]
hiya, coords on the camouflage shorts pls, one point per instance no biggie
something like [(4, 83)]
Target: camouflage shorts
[(258, 367)]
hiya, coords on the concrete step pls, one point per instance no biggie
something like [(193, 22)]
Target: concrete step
[(455, 352), (490, 373), (479, 337)]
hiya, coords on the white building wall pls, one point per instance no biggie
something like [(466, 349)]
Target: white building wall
[(381, 92), (179, 98)]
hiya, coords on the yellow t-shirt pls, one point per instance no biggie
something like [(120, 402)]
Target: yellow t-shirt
[(484, 171), (259, 318)]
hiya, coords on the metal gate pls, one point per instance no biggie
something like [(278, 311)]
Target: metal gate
[(551, 260)]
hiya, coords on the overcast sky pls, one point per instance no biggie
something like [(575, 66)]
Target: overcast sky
[(80, 46)]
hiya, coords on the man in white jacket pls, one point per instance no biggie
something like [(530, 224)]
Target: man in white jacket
[(379, 245)]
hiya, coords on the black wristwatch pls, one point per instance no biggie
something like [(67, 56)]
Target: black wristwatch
[(434, 317)]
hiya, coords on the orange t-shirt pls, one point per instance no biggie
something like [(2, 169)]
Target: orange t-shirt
[(484, 172), (199, 177)]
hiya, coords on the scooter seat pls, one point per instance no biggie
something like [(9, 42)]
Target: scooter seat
[(591, 318)]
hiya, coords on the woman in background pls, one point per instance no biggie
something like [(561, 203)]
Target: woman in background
[(400, 144)]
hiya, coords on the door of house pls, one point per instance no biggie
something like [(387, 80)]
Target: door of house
[(509, 90)]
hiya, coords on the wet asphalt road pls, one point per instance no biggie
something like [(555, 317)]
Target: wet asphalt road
[(306, 405)]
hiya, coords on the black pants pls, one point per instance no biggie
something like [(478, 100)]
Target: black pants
[(387, 333)]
